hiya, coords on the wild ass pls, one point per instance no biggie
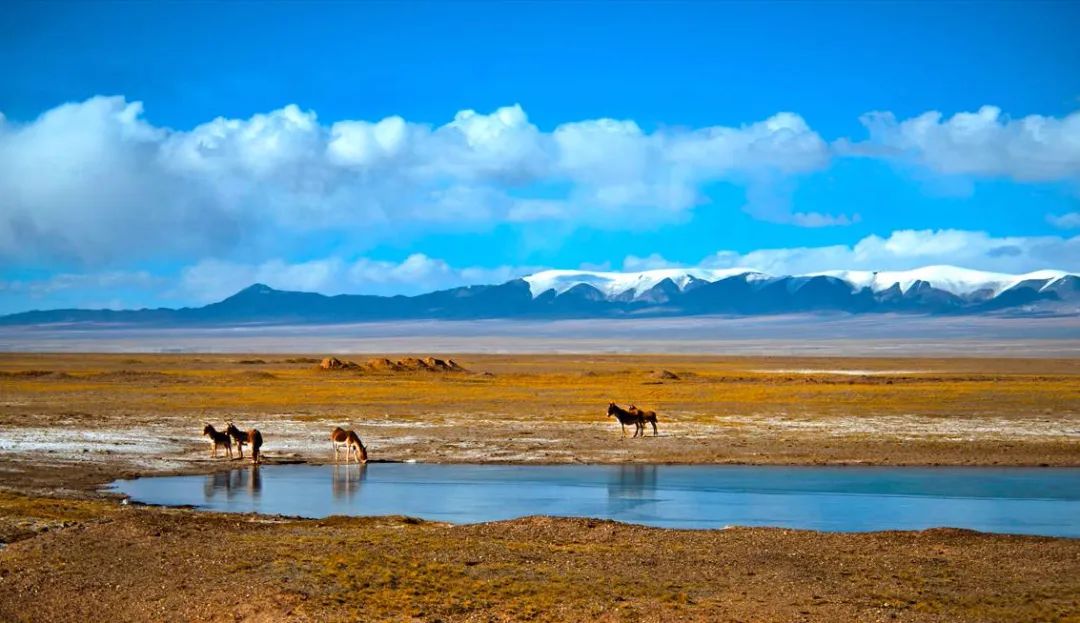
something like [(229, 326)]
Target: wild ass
[(351, 441), (217, 438), (646, 416), (252, 437), (626, 417)]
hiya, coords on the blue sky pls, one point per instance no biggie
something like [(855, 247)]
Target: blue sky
[(169, 153)]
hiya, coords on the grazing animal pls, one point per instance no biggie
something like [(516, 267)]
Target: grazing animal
[(626, 417), (252, 437), (355, 446), (646, 416), (217, 439), (351, 441)]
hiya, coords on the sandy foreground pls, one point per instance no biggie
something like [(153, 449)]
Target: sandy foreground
[(70, 423)]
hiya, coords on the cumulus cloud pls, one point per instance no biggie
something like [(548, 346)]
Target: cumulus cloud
[(906, 249), (213, 280), (985, 143), (633, 263), (94, 183), (114, 289), (1069, 220)]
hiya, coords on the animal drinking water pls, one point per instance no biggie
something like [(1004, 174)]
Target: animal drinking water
[(217, 438), (252, 437), (351, 441)]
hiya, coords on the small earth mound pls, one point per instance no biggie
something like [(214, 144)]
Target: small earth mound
[(333, 363), (413, 364), (251, 362), (665, 375), (382, 364), (137, 375), (37, 374), (301, 360), (258, 375)]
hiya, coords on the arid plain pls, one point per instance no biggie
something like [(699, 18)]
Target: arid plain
[(72, 422)]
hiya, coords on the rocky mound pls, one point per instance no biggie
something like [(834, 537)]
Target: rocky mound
[(384, 365), (333, 363), (665, 375)]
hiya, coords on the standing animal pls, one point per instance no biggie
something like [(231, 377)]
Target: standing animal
[(217, 439), (252, 437), (646, 416), (626, 417), (351, 441)]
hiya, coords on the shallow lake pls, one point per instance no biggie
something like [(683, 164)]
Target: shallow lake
[(1042, 501)]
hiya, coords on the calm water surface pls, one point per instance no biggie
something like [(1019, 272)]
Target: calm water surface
[(1014, 500)]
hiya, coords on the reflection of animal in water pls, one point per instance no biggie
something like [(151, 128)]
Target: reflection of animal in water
[(626, 417), (252, 437), (232, 482), (345, 482), (217, 438), (646, 416), (351, 441)]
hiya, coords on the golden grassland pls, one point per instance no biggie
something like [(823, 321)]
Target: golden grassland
[(569, 387), (552, 408)]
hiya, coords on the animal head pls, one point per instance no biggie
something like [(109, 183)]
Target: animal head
[(612, 408), (208, 429), (231, 428)]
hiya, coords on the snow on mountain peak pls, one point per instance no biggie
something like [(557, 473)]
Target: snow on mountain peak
[(953, 279), (612, 283)]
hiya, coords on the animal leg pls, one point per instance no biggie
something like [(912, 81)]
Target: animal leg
[(654, 433)]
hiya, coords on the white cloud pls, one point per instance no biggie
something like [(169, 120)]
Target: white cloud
[(633, 263), (1069, 220), (94, 182), (213, 280), (114, 289), (906, 249), (985, 143)]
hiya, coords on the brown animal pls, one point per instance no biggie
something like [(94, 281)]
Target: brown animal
[(252, 437), (646, 416), (217, 439), (625, 417), (351, 441)]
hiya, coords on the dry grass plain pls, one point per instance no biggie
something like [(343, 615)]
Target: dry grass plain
[(69, 423)]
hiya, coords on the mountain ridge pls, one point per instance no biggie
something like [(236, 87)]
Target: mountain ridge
[(609, 294)]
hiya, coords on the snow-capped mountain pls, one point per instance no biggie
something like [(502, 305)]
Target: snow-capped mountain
[(615, 284), (961, 282), (665, 292)]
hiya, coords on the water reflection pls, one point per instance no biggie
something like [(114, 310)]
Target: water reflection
[(345, 480), (238, 481), (1033, 501), (630, 487)]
